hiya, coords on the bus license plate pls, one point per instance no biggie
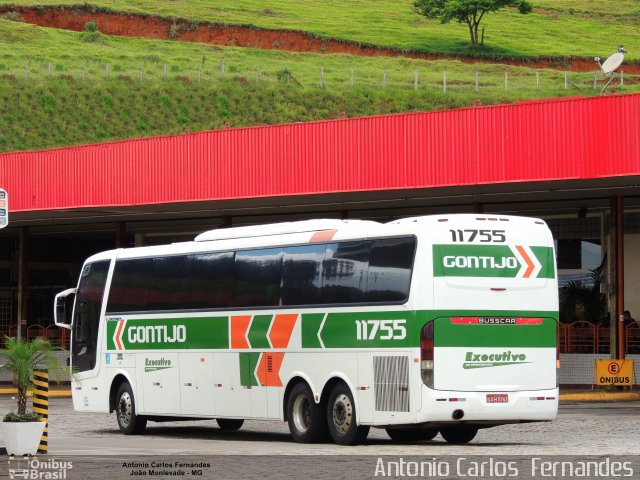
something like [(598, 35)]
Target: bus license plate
[(497, 398)]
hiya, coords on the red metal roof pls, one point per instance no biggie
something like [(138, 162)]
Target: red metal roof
[(574, 138)]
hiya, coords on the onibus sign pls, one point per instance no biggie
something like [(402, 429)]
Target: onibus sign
[(4, 208)]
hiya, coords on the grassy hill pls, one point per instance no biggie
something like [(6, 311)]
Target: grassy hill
[(259, 87), (557, 28), (56, 89)]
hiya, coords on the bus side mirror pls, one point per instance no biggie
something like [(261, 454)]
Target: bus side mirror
[(63, 308)]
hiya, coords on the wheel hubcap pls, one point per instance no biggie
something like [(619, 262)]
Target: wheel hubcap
[(342, 413), (301, 413), (124, 409)]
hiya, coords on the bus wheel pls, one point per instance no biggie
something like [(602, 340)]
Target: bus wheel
[(342, 420), (229, 424), (458, 435), (412, 435), (128, 421), (307, 421)]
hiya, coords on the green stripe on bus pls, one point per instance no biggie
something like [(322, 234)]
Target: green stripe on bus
[(488, 261), (368, 330), (548, 261), (248, 364), (447, 334), (170, 333), (310, 326), (257, 335)]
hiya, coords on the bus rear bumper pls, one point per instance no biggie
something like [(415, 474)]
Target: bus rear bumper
[(487, 407)]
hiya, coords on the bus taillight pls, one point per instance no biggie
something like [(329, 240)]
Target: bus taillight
[(426, 354)]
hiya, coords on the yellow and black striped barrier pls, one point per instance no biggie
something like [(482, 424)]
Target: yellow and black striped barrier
[(41, 405)]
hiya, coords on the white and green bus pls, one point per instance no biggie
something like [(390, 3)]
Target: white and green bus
[(443, 323)]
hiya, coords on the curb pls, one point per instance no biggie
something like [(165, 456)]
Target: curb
[(52, 393), (600, 397)]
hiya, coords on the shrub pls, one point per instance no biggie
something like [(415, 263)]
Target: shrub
[(91, 27), (14, 417), (13, 17), (174, 31)]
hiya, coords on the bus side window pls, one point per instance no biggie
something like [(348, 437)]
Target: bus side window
[(344, 272), (258, 277), (211, 284), (390, 266), (301, 274)]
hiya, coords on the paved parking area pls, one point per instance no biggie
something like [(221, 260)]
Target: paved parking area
[(580, 429)]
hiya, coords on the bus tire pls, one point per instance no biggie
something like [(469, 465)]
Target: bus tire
[(458, 435), (128, 421), (412, 435), (341, 417), (229, 424), (306, 418)]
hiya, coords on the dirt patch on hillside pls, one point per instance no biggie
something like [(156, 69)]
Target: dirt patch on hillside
[(130, 25)]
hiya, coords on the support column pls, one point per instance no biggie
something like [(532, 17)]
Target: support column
[(616, 300), (613, 291), (121, 235), (620, 274), (23, 284)]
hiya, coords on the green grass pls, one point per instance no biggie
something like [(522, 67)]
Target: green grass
[(26, 50), (65, 110), (557, 28)]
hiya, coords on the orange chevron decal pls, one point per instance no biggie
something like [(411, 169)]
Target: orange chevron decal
[(239, 325), (530, 265), (281, 329), (268, 370), (323, 236), (118, 335)]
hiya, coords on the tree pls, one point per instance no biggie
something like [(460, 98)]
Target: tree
[(467, 11)]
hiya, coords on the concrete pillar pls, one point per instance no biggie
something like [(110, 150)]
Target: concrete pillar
[(23, 281)]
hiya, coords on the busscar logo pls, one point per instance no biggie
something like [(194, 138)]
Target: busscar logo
[(487, 360), (151, 365), (497, 321)]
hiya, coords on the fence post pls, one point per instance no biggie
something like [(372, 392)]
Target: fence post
[(351, 80), (595, 81), (537, 80), (26, 73), (164, 71), (444, 81), (84, 72), (49, 71), (321, 77), (477, 80), (415, 80), (621, 79), (566, 80), (41, 404), (384, 79), (106, 71), (142, 73), (222, 69), (506, 81)]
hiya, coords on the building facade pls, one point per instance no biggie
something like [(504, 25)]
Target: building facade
[(574, 162)]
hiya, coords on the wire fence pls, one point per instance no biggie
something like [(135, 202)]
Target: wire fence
[(456, 78)]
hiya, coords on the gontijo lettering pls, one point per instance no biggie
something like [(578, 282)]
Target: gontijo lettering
[(479, 262), (157, 334)]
